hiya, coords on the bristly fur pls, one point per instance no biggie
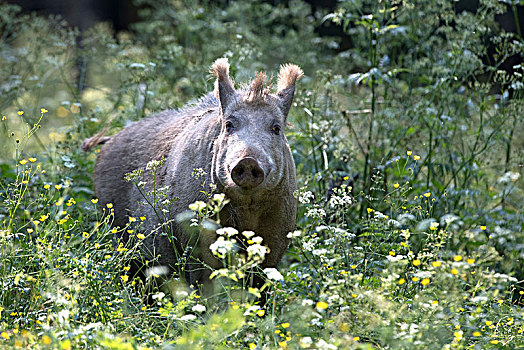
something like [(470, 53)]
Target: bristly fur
[(220, 69), (258, 90), (289, 73)]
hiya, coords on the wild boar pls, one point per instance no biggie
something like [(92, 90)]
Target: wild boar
[(236, 136)]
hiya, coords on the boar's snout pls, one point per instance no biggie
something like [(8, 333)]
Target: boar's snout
[(247, 173)]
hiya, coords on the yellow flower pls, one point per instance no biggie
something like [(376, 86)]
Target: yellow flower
[(477, 334), (252, 346), (489, 323), (32, 160), (396, 185), (415, 279), (85, 234), (454, 271), (58, 186), (392, 253), (142, 218), (425, 281), (283, 344), (140, 236), (66, 344), (132, 219), (409, 153), (356, 338), (5, 335), (416, 262), (322, 305), (369, 210), (43, 110), (427, 194), (436, 263), (457, 257), (47, 186), (494, 341), (261, 312), (20, 112), (23, 161), (285, 325), (416, 157), (29, 230), (94, 200), (4, 118), (124, 278), (344, 327), (109, 205), (483, 228), (401, 281), (470, 261)]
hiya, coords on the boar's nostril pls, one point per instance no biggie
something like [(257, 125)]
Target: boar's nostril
[(247, 173)]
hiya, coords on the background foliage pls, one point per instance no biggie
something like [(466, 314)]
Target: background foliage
[(409, 149)]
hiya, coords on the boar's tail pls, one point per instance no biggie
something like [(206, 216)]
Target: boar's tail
[(98, 139)]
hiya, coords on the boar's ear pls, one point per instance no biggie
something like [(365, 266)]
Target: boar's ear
[(289, 73), (224, 88)]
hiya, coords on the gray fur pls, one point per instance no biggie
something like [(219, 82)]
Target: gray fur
[(196, 137)]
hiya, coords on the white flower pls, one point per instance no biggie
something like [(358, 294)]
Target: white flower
[(157, 271), (306, 197), (197, 206), (248, 234), (316, 213), (219, 197), (257, 240), (323, 345), (509, 176), (227, 231), (395, 258), (159, 296), (198, 308), (307, 302), (63, 316), (306, 342), (294, 234), (251, 309), (394, 223), (308, 246), (319, 251), (188, 317), (273, 274), (257, 250), (221, 247), (378, 215)]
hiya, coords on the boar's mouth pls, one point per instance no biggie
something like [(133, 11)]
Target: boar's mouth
[(248, 174)]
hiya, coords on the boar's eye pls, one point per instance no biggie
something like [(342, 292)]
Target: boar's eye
[(229, 126), (276, 129)]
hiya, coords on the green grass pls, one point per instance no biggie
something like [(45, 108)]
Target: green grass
[(416, 138)]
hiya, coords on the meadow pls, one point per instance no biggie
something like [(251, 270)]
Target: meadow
[(408, 135)]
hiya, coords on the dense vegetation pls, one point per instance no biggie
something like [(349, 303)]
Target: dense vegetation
[(409, 149)]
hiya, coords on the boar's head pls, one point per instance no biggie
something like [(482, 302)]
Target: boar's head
[(252, 156)]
